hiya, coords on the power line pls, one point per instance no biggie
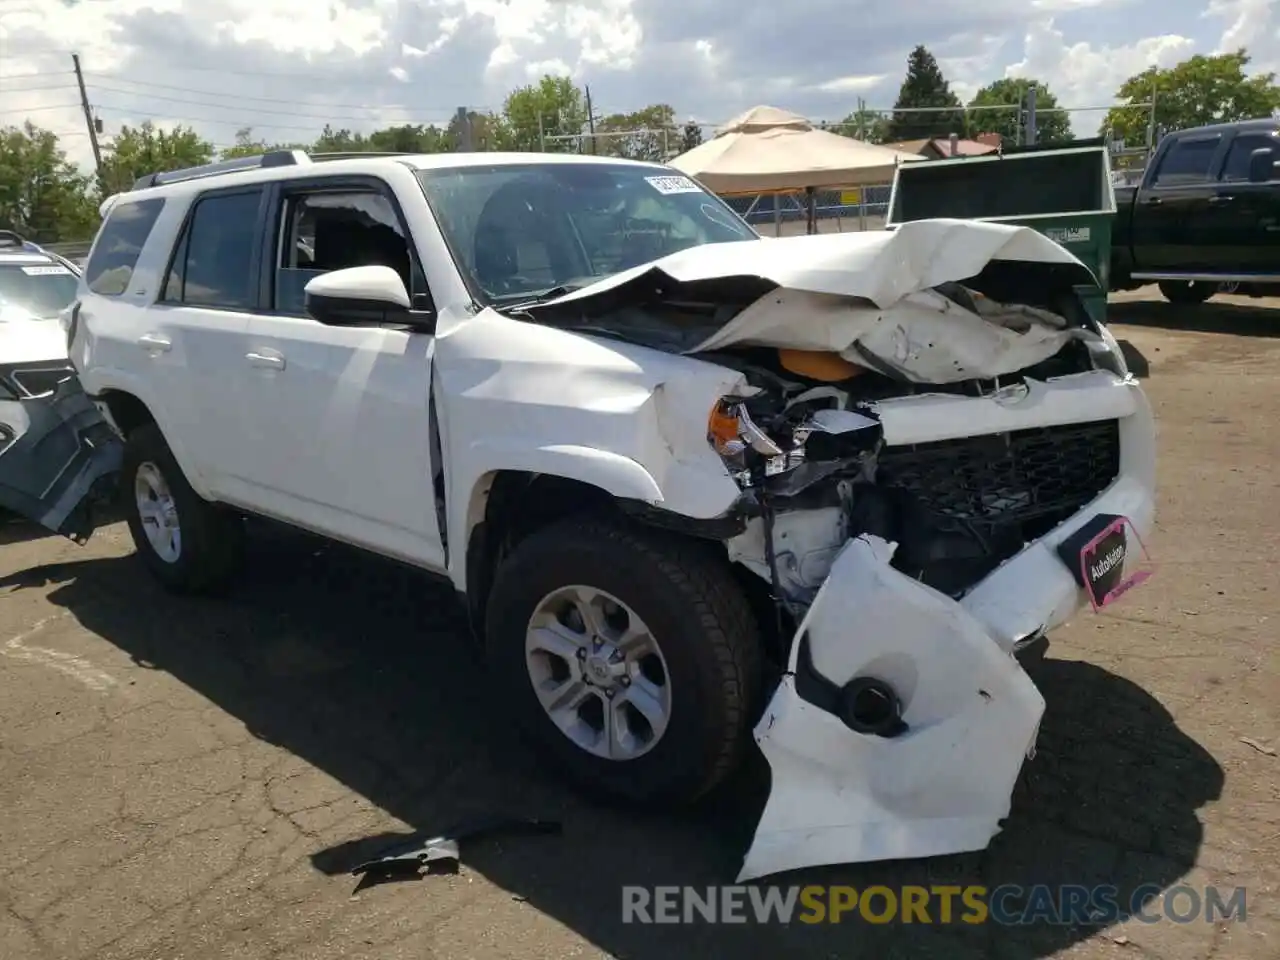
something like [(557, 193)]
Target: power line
[(98, 87), (52, 106), (44, 74), (218, 93), (240, 123)]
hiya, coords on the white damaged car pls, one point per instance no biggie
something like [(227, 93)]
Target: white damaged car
[(688, 483)]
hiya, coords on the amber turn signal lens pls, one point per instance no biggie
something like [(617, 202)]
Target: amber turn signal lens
[(722, 427)]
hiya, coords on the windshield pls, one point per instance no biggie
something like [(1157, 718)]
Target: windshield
[(44, 289), (521, 230)]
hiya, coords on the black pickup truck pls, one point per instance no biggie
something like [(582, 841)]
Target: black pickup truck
[(1205, 218)]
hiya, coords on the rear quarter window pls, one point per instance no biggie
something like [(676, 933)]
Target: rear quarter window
[(119, 243)]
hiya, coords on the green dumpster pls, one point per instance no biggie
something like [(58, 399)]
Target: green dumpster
[(1064, 192)]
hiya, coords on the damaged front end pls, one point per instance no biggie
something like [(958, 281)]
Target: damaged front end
[(916, 535), (941, 457), (59, 458)]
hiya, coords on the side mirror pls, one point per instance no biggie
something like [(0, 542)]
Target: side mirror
[(1262, 165), (363, 297)]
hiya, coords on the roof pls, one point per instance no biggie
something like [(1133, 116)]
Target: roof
[(942, 146), (280, 166), (1264, 124)]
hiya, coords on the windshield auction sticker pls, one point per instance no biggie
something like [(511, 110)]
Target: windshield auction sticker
[(49, 271), (673, 185)]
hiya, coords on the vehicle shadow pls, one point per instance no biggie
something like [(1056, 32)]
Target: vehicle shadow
[(357, 666), (1240, 317)]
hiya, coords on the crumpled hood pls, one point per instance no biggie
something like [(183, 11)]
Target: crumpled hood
[(24, 339), (868, 296)]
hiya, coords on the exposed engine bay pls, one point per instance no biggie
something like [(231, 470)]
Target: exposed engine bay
[(816, 472), (808, 449)]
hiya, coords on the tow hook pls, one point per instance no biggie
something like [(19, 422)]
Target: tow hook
[(870, 706)]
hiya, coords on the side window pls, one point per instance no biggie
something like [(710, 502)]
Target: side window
[(332, 230), (1187, 161), (1242, 147), (119, 244), (212, 266)]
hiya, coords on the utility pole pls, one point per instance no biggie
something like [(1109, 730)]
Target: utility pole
[(88, 116), (1151, 123), (464, 130), (1031, 115), (542, 136), (591, 120)]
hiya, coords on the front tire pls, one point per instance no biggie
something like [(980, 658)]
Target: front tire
[(1187, 292), (190, 545), (630, 657)]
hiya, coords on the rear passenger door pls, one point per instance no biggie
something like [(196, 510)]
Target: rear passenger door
[(340, 434), (1241, 232), (1173, 199), (198, 333)]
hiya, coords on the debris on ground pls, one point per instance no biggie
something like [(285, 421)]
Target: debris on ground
[(413, 851), (1260, 747)]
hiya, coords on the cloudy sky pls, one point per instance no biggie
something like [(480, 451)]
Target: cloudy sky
[(285, 67)]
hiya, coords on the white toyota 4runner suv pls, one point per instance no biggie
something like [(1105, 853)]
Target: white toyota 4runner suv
[(688, 481)]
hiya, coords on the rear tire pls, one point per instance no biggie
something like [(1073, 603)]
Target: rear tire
[(708, 658), (190, 545), (1187, 292)]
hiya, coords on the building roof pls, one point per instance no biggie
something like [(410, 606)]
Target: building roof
[(942, 146)]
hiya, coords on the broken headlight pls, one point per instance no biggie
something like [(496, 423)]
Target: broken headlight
[(805, 444), (746, 448)]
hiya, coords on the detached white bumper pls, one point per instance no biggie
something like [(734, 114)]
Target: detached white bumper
[(971, 713)]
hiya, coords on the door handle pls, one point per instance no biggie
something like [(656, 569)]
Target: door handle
[(1151, 201), (155, 343), (1219, 199), (269, 359)]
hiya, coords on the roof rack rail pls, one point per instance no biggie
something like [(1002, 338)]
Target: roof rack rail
[(273, 158), (357, 154), (11, 238)]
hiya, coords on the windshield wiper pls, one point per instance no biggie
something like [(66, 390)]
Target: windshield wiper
[(543, 297)]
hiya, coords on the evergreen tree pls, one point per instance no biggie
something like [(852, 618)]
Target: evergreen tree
[(925, 86)]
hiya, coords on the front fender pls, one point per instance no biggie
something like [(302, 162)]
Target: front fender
[(613, 473), (625, 419)]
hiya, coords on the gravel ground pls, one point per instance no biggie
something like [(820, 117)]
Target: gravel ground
[(188, 779)]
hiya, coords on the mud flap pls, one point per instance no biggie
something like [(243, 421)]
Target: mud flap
[(59, 459), (936, 781)]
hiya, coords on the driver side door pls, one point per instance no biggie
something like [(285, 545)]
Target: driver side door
[(340, 416)]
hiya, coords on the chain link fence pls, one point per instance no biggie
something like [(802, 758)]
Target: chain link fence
[(835, 211)]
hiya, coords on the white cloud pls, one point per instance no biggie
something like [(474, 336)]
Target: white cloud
[(1082, 75), (288, 67), (851, 84)]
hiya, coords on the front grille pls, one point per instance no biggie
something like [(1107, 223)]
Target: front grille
[(37, 382), (1024, 482)]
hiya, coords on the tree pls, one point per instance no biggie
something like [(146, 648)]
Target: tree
[(1200, 90), (411, 138), (864, 124), (1052, 125), (690, 136), (925, 86), (136, 151), (247, 146), (648, 134), (489, 131), (554, 107), (42, 195), (339, 141)]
